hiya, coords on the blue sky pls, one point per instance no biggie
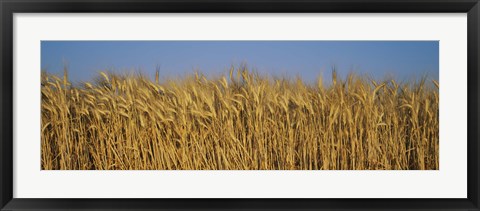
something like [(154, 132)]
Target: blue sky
[(402, 59)]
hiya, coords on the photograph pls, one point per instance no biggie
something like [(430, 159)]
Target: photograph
[(239, 105)]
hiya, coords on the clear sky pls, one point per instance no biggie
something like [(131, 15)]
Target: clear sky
[(402, 59)]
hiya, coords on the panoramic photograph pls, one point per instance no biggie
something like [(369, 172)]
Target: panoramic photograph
[(239, 105)]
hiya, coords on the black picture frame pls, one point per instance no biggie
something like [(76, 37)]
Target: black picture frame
[(9, 7)]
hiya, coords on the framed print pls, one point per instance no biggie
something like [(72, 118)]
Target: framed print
[(260, 105)]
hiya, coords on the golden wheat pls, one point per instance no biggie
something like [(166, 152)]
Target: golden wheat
[(242, 121)]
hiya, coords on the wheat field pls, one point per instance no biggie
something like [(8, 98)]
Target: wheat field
[(241, 120)]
